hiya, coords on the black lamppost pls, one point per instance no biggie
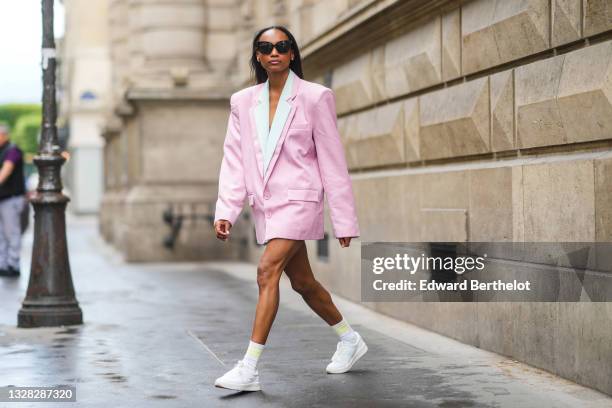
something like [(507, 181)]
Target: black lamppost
[(50, 298)]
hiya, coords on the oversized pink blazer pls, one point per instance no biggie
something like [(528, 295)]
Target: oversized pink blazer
[(308, 160)]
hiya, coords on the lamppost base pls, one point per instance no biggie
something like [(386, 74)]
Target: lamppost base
[(49, 316)]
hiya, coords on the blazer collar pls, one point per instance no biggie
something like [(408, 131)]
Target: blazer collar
[(259, 90), (254, 110)]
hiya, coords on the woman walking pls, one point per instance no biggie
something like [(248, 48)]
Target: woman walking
[(282, 151)]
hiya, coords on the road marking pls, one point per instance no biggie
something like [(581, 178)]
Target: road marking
[(199, 340)]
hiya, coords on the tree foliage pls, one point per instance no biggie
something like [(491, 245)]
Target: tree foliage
[(24, 121), (10, 113), (25, 133)]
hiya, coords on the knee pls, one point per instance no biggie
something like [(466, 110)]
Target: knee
[(267, 275), (304, 287)]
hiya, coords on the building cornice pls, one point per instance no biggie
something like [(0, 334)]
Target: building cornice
[(177, 94), (367, 26)]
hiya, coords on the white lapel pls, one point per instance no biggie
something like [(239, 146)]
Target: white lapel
[(262, 119), (269, 139)]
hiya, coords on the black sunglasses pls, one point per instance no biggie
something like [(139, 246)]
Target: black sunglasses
[(282, 47)]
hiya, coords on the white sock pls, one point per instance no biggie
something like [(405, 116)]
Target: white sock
[(252, 354), (345, 331)]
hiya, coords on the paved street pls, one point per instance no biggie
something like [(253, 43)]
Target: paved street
[(159, 334)]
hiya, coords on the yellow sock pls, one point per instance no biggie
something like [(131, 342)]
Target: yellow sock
[(344, 331), (252, 354)]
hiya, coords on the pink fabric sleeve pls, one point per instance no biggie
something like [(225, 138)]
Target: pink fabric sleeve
[(333, 168), (232, 190)]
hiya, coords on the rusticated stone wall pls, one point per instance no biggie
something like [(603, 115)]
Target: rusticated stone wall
[(483, 120)]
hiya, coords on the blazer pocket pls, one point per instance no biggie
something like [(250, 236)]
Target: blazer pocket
[(251, 200), (304, 125), (302, 194)]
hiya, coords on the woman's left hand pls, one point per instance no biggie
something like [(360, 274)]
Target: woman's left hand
[(344, 242)]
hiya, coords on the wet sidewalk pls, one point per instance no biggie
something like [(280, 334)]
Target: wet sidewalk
[(159, 334)]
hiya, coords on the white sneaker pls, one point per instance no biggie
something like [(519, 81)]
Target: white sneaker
[(346, 355), (240, 378)]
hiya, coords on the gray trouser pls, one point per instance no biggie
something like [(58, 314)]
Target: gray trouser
[(10, 230)]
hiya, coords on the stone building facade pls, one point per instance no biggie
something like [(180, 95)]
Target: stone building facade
[(481, 120), (84, 82)]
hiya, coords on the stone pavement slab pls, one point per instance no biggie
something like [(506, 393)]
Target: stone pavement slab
[(159, 334)]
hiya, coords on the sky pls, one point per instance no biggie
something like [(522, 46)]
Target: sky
[(20, 43)]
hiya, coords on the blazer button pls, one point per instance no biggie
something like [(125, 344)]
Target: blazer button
[(268, 214), (267, 196)]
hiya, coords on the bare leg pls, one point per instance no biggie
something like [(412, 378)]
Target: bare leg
[(277, 254), (303, 281)]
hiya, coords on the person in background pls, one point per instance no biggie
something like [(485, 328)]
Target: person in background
[(12, 201)]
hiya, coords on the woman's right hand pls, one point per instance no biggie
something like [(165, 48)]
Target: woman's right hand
[(222, 229)]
